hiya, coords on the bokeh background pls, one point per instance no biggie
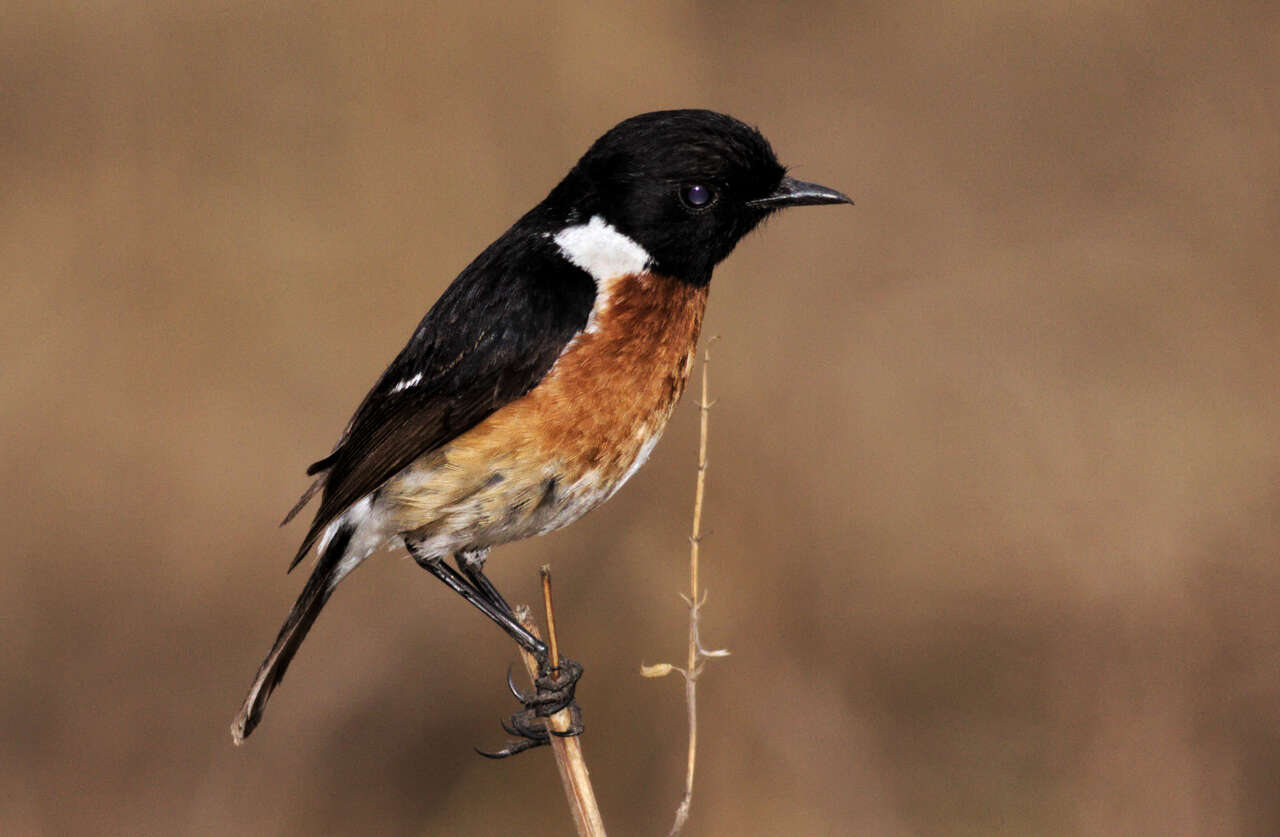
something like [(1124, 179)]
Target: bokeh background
[(994, 500)]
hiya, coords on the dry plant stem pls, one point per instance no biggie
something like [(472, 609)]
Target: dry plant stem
[(695, 601), (553, 649), (574, 775)]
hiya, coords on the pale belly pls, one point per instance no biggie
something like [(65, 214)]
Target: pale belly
[(448, 506)]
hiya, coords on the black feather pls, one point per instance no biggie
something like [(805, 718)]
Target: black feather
[(303, 615)]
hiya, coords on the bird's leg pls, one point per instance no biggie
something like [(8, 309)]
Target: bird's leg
[(555, 684), (554, 687), (471, 562), (504, 618)]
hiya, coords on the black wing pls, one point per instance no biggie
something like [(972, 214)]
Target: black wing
[(487, 341)]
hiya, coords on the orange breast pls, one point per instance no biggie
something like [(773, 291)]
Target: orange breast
[(566, 446), (619, 380)]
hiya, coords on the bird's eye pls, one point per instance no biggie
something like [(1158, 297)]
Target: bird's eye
[(697, 196)]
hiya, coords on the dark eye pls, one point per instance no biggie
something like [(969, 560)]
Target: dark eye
[(697, 196)]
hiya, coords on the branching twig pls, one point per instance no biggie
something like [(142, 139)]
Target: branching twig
[(696, 599), (574, 775)]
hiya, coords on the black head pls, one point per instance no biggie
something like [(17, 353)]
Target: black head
[(686, 185)]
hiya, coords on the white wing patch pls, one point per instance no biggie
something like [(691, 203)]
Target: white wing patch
[(407, 382), (606, 255), (599, 249)]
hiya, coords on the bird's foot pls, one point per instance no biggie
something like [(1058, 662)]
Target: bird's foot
[(529, 727)]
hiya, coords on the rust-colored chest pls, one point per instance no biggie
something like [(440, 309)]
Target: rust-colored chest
[(618, 382)]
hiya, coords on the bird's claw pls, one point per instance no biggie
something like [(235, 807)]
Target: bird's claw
[(515, 690), (555, 688), (528, 728)]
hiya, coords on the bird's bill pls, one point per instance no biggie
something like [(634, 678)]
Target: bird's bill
[(792, 192)]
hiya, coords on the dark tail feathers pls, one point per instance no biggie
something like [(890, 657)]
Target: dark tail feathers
[(304, 613)]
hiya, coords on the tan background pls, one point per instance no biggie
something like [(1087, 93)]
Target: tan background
[(994, 505)]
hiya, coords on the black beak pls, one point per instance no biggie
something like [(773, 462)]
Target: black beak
[(792, 192)]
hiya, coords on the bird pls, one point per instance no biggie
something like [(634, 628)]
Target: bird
[(541, 379)]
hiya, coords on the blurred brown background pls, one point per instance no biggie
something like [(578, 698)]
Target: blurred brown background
[(994, 504)]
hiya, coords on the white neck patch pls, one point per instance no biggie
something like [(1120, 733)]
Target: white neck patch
[(599, 249)]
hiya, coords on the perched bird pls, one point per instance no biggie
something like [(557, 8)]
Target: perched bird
[(542, 378)]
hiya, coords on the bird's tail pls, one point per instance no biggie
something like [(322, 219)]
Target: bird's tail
[(304, 613)]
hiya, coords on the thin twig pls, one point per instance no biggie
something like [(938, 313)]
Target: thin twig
[(696, 598), (574, 775), (545, 574)]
